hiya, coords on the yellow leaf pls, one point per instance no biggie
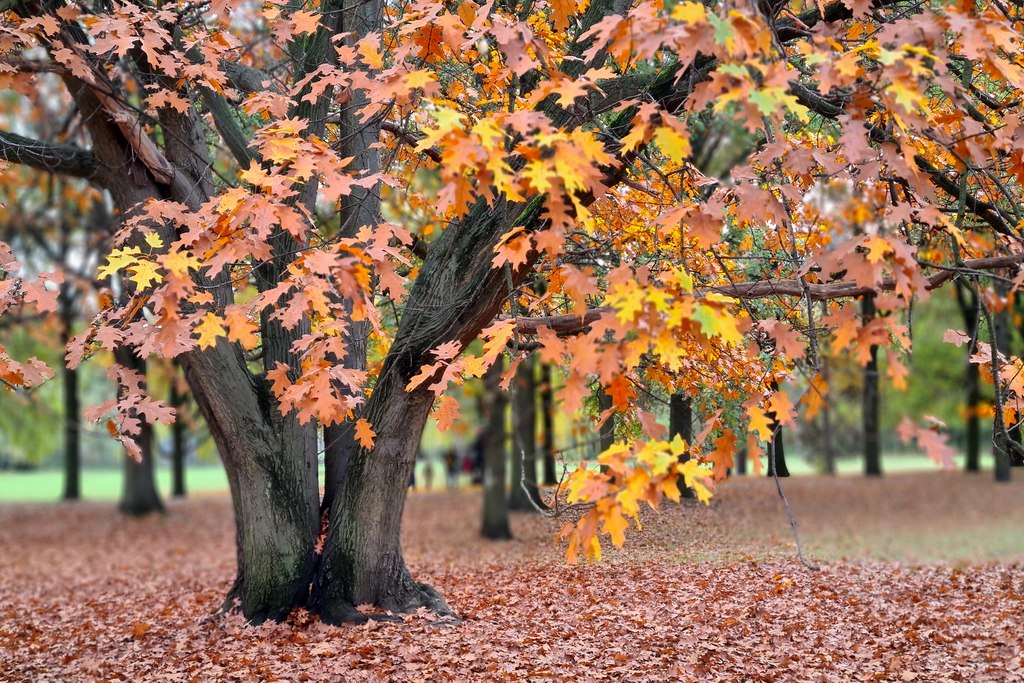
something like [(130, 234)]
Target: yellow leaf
[(179, 262), (690, 13), (209, 329), (759, 423), (153, 240), (144, 272), (673, 144)]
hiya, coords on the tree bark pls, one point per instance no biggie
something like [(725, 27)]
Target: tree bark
[(72, 406), (680, 422), (272, 471), (495, 508), (139, 494), (871, 400), (524, 494), (776, 446), (1002, 441), (547, 415), (179, 450), (606, 435), (826, 425), (971, 312)]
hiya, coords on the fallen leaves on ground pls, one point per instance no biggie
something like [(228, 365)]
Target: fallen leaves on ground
[(703, 594)]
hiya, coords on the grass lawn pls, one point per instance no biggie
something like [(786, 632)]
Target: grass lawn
[(46, 485), (101, 484)]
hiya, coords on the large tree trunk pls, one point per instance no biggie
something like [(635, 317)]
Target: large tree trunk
[(680, 422), (362, 560), (272, 471), (72, 407), (524, 494), (139, 494), (547, 416), (871, 400), (495, 508), (456, 294)]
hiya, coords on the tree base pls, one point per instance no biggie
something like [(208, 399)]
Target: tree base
[(405, 601)]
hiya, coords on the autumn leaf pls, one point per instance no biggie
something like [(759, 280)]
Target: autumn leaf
[(364, 433), (209, 329)]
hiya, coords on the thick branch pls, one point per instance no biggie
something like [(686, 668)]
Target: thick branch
[(760, 289), (60, 159)]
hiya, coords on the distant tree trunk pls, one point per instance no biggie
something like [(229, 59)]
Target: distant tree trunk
[(741, 461), (524, 440), (970, 309), (1002, 446), (606, 435), (547, 415), (72, 407), (495, 513), (680, 422), (872, 442), (776, 448), (826, 425), (139, 494), (179, 450)]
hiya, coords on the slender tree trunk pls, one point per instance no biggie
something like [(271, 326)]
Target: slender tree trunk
[(179, 435), (1002, 442), (72, 407), (524, 494), (971, 312), (680, 422), (495, 509), (139, 494), (826, 424), (606, 435), (777, 453), (871, 401), (547, 415), (776, 447), (826, 441)]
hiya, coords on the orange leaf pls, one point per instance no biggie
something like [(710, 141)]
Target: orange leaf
[(364, 433)]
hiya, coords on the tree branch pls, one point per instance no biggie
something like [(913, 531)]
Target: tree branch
[(760, 289), (60, 159)]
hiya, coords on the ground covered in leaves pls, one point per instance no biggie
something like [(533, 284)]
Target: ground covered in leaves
[(922, 578)]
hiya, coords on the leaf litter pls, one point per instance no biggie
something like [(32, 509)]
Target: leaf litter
[(922, 579)]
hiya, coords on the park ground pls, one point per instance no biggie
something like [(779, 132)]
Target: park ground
[(921, 579)]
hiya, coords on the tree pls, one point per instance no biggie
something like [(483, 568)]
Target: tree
[(872, 400), (494, 403), (322, 209), (970, 310), (524, 494)]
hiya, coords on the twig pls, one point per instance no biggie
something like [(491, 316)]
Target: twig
[(789, 512)]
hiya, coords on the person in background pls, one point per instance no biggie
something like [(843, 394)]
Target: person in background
[(428, 472), (451, 468)]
